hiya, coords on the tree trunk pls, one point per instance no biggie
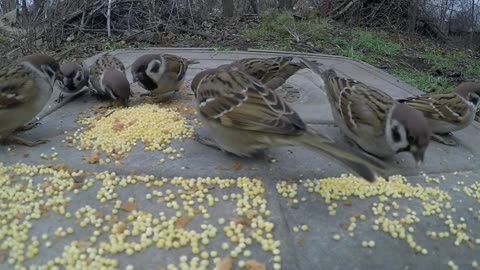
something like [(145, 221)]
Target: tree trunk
[(443, 14), (254, 6), (324, 8), (228, 8), (25, 8), (413, 17), (472, 27), (7, 6), (285, 4)]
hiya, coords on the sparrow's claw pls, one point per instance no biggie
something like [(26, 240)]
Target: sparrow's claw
[(28, 126), (207, 141), (17, 140), (60, 98), (446, 139)]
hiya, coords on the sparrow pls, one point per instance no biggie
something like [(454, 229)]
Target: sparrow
[(245, 117), (75, 77), (448, 112), (272, 72), (161, 74), (105, 82), (372, 119), (25, 88)]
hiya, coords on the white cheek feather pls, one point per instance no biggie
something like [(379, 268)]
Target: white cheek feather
[(403, 142), (156, 76), (470, 104)]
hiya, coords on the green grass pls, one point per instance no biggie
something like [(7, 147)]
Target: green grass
[(367, 46), (416, 64), (3, 39), (281, 27), (423, 80)]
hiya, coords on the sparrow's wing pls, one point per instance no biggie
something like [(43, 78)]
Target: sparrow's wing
[(176, 67), (16, 87), (362, 108), (237, 100), (447, 107)]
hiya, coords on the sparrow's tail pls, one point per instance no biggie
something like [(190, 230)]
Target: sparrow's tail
[(323, 76), (361, 164), (192, 62)]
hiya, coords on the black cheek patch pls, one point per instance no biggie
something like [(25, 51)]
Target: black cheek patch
[(155, 67), (396, 134), (474, 99)]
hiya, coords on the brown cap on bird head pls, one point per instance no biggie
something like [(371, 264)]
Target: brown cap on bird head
[(39, 60), (117, 83), (68, 69)]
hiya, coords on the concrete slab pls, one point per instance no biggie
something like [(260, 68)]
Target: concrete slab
[(314, 248)]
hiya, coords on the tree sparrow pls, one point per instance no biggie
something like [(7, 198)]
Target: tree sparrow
[(372, 119), (448, 112), (25, 88), (161, 74), (272, 72), (245, 116), (75, 77), (105, 82)]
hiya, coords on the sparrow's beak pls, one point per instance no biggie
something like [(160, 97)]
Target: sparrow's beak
[(419, 156), (58, 75)]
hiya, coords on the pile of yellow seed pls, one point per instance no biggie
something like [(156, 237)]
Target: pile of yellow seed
[(124, 228), (387, 214), (121, 129)]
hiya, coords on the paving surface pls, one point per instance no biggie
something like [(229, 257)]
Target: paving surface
[(286, 168)]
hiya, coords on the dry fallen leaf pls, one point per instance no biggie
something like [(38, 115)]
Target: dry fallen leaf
[(77, 185), (128, 206), (93, 158), (117, 126), (61, 167), (347, 203), (225, 263), (344, 226), (242, 220), (236, 165), (183, 221), (121, 227), (254, 265)]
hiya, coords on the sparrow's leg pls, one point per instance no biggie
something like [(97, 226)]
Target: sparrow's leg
[(60, 97), (208, 141), (17, 140), (28, 126), (446, 139), (61, 104)]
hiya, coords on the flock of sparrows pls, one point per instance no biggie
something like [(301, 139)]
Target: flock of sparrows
[(238, 104)]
